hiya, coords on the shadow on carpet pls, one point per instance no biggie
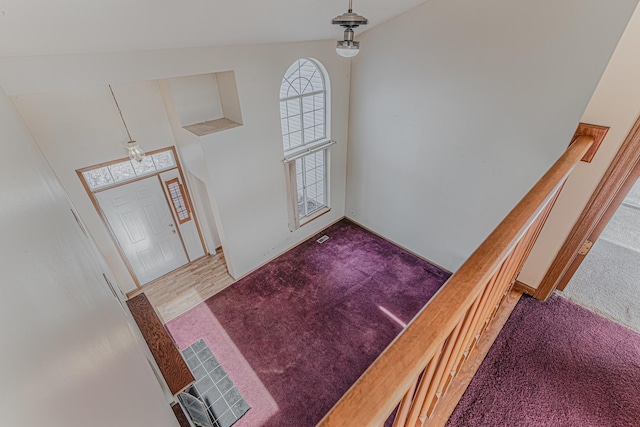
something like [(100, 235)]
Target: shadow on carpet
[(555, 364), (297, 333)]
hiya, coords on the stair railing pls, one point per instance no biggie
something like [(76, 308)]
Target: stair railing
[(416, 369)]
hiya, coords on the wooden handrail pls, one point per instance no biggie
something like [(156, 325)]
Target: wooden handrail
[(370, 401)]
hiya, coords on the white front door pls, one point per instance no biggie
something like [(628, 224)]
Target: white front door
[(142, 223)]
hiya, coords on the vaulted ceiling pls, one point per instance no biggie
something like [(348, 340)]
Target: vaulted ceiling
[(33, 27)]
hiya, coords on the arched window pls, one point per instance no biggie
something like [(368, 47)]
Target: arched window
[(302, 105), (303, 113)]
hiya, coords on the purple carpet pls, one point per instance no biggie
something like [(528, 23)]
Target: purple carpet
[(556, 364), (297, 333)]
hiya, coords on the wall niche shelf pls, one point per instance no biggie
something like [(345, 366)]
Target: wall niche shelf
[(211, 126), (207, 103)]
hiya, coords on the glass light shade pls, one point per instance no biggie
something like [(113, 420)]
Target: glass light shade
[(135, 152), (347, 48)]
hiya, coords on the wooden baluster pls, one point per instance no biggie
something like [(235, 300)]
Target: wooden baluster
[(484, 301), (540, 221), (427, 377), (457, 349), (524, 248), (502, 282), (405, 405), (505, 281), (493, 290), (431, 398)]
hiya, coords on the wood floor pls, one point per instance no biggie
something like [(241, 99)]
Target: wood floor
[(183, 289)]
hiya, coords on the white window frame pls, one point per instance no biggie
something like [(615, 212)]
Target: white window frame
[(300, 98), (321, 144), (296, 221)]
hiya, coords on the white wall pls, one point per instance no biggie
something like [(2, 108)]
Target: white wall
[(615, 103), (197, 98), (80, 127), (228, 88), (202, 205), (458, 107), (68, 358), (63, 101)]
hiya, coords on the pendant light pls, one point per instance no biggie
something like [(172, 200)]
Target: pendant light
[(135, 152), (348, 47)]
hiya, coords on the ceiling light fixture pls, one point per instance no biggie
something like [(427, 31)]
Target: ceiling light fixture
[(135, 152), (348, 47)]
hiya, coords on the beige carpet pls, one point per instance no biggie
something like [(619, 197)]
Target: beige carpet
[(608, 280)]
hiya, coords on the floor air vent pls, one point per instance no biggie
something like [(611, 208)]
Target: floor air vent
[(323, 239)]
